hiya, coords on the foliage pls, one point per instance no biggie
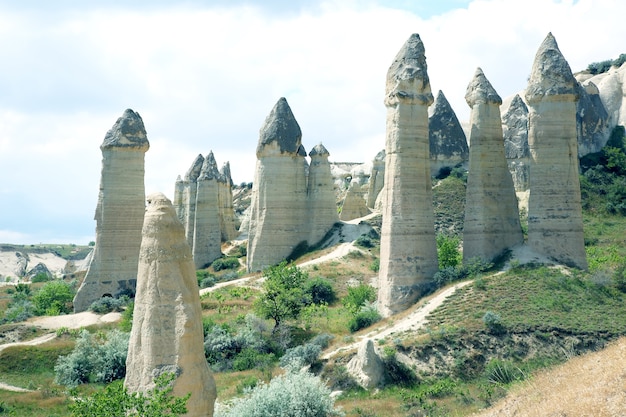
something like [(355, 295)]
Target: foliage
[(107, 304), (94, 359), (503, 372), (54, 298), (126, 323), (375, 265), (229, 262), (365, 241), (283, 296), (300, 356), (116, 401), (40, 277), (294, 394), (603, 66), (320, 290), (367, 315), (619, 277), (448, 251), (357, 296), (19, 310), (493, 322), (473, 267), (397, 373)]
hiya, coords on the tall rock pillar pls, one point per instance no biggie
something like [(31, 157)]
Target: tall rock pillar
[(207, 237), (119, 213), (492, 222), (322, 205), (408, 250), (187, 214), (377, 179), (555, 226), (167, 321), (278, 207), (226, 208)]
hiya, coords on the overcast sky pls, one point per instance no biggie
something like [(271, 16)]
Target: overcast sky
[(204, 75)]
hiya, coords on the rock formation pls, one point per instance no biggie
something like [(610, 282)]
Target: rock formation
[(207, 236), (119, 213), (228, 225), (592, 120), (278, 207), (366, 367), (492, 222), (39, 269), (377, 179), (167, 321), (448, 144), (515, 131), (354, 204), (408, 251), (555, 226), (322, 204), (186, 211)]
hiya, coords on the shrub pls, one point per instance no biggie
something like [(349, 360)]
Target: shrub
[(619, 278), (364, 241), (357, 296), (448, 251), (40, 277), (493, 322), (229, 262), (503, 372), (116, 401), (93, 359), (375, 265), (367, 316), (126, 323), (397, 373), (300, 356), (19, 310), (54, 298), (320, 291), (207, 282), (106, 305), (294, 394)]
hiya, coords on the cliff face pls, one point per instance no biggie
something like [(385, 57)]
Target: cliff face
[(321, 195), (448, 144), (119, 213)]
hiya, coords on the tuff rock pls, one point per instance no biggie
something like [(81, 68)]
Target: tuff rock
[(167, 333), (321, 196), (448, 144), (119, 213), (408, 251), (366, 367), (492, 222), (515, 132)]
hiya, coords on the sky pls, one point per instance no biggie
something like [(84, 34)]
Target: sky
[(205, 74)]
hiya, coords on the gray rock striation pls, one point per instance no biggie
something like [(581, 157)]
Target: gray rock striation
[(515, 131), (167, 331), (377, 179), (448, 144), (555, 226), (119, 213), (321, 196), (408, 251), (207, 237), (492, 222)]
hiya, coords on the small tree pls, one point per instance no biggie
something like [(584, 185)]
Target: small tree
[(283, 295), (54, 298), (448, 251)]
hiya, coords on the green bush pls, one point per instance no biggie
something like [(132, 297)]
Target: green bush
[(375, 265), (94, 359), (229, 262), (40, 277), (448, 251), (619, 278), (116, 401), (357, 296), (503, 372), (493, 322), (126, 323), (320, 291), (54, 298), (18, 310), (397, 373), (294, 394), (367, 316), (106, 305), (300, 356), (364, 241)]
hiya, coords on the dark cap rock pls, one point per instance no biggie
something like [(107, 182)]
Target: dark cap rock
[(280, 127), (127, 132), (407, 78), (194, 170), (209, 169), (319, 150), (480, 91)]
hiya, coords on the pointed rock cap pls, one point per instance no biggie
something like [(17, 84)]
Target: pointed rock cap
[(301, 151), (517, 106), (160, 219), (128, 132), (551, 75), (179, 179), (319, 150), (225, 174), (209, 169), (194, 170), (407, 78), (380, 156), (480, 91), (281, 127)]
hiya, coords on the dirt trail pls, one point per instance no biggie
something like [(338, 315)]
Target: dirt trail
[(37, 341), (411, 322)]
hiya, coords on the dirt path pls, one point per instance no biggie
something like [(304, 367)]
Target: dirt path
[(37, 341), (411, 322)]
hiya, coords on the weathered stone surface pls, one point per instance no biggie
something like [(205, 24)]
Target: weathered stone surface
[(408, 251), (189, 197), (321, 196), (228, 224), (612, 90), (448, 144), (377, 179), (206, 227), (119, 213), (491, 222), (21, 263), (40, 268), (515, 131), (555, 226), (279, 192), (354, 204), (366, 367), (592, 120), (167, 321)]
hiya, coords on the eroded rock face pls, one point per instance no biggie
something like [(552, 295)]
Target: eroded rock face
[(592, 120), (448, 144), (279, 191), (555, 226), (321, 196), (366, 367), (491, 222), (228, 224), (38, 269), (187, 210), (408, 251), (377, 179), (355, 203), (206, 227), (167, 331), (515, 131), (119, 213)]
